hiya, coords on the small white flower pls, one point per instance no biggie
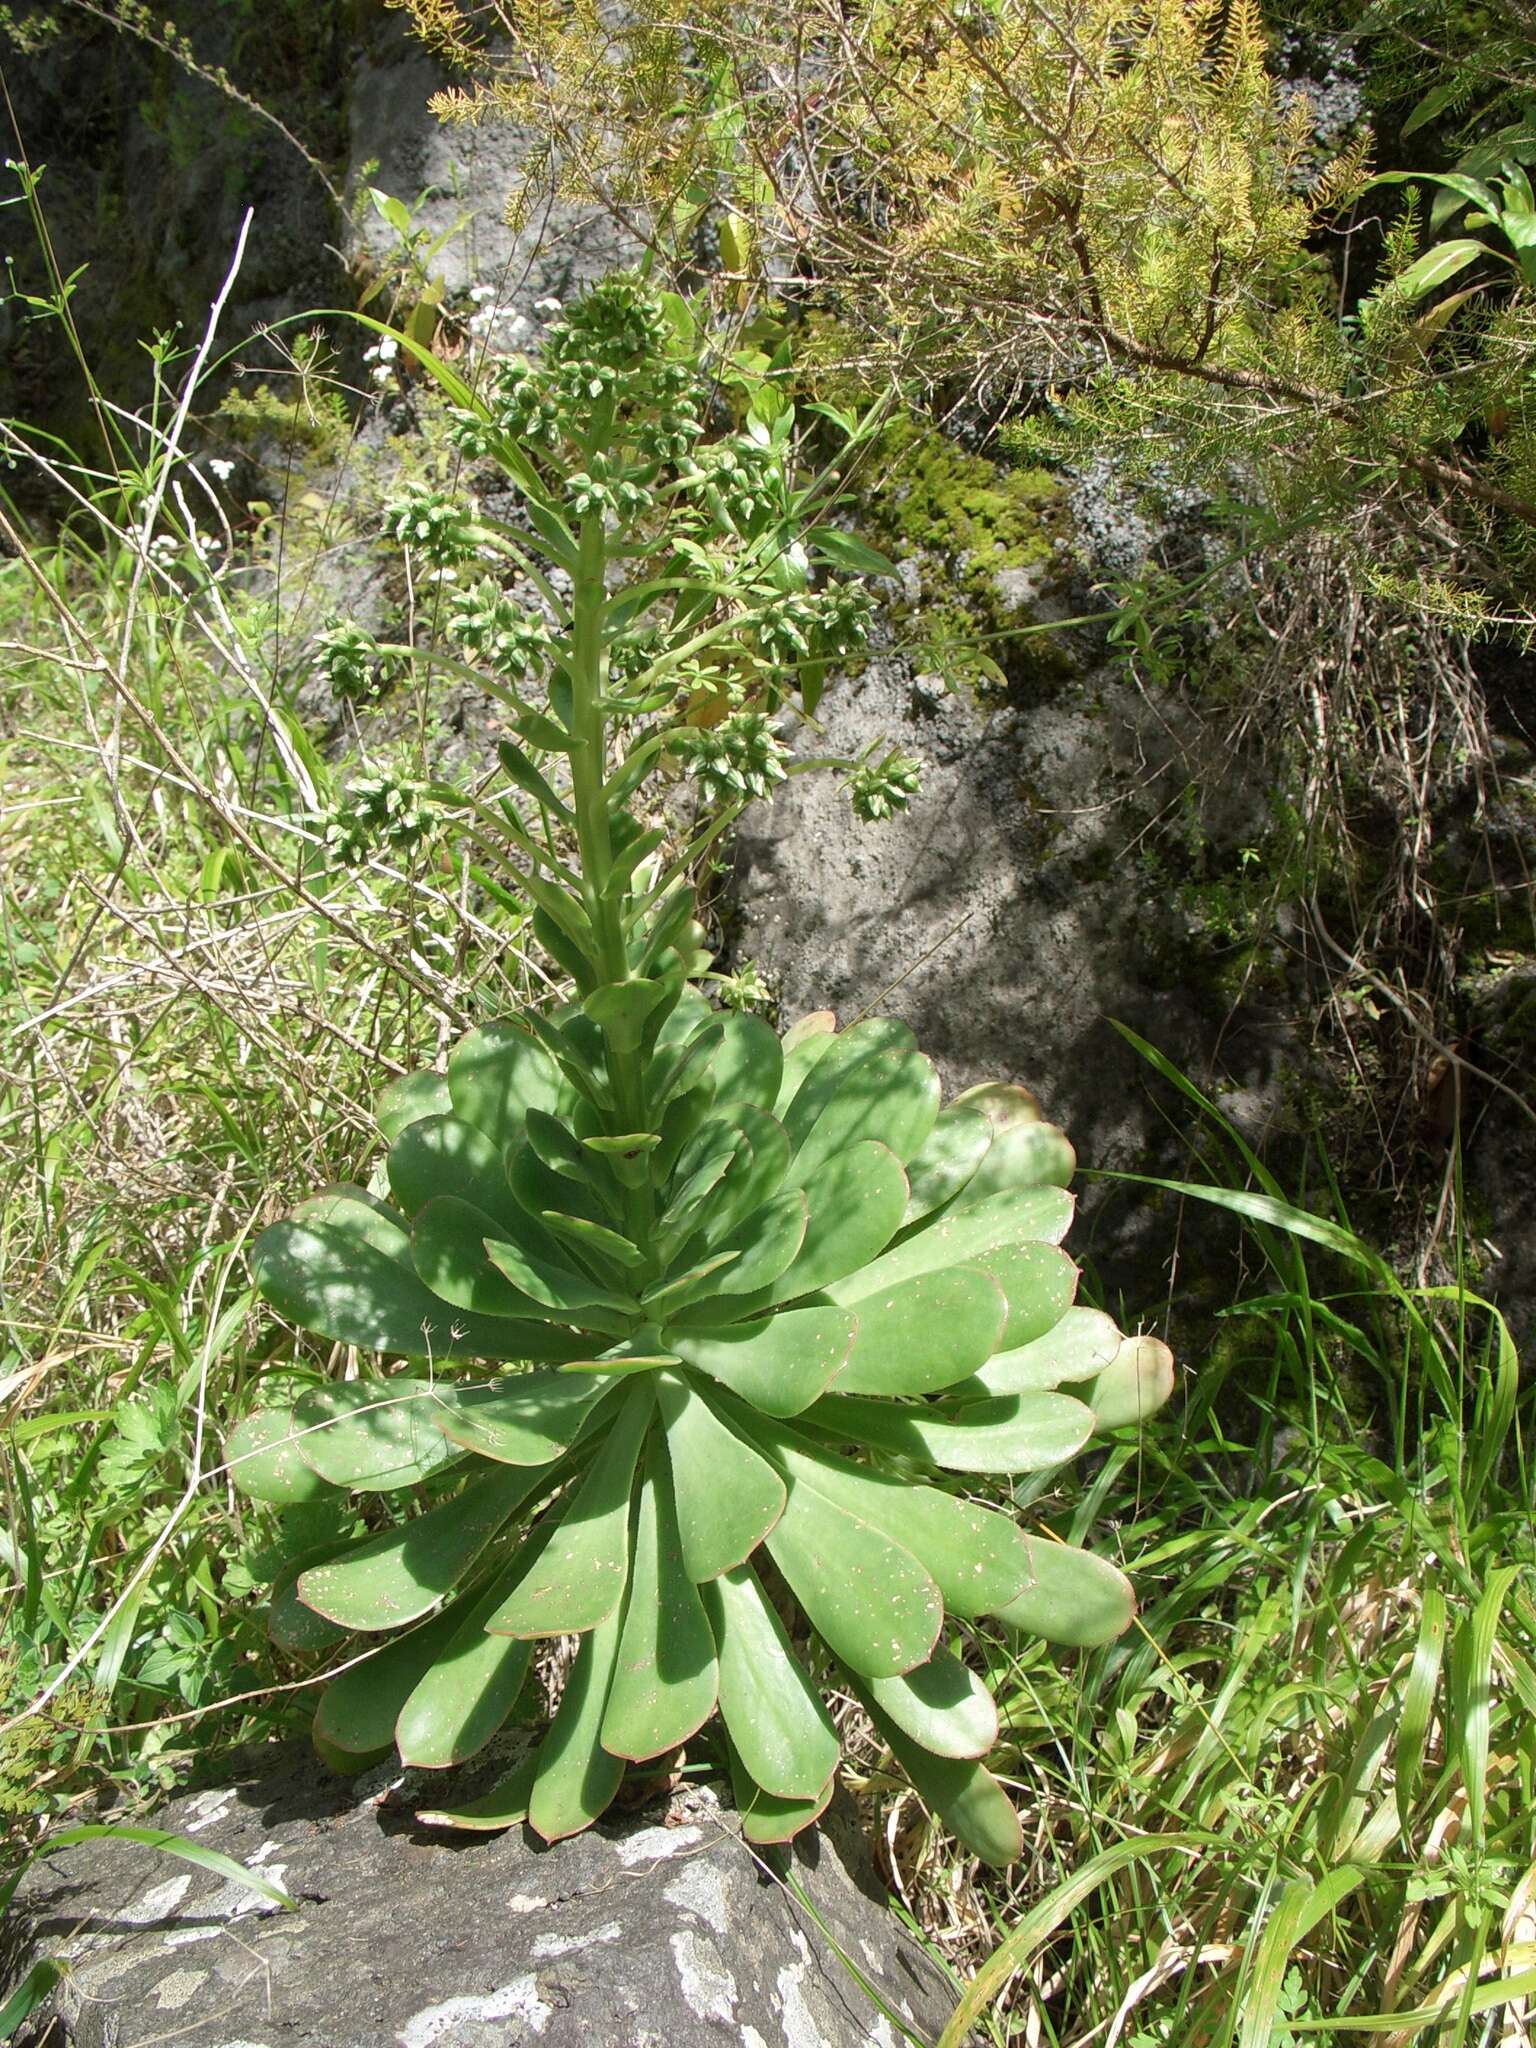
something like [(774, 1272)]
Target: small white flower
[(481, 292), (221, 469), (383, 374), (389, 348), (548, 307), (512, 326)]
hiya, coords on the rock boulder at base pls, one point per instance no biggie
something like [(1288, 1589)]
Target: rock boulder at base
[(660, 1931)]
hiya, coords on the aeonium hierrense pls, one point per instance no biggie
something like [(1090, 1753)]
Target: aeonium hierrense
[(703, 1330)]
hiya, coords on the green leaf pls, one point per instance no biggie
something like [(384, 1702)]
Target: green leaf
[(496, 1075), (594, 1238), (578, 1578), (29, 1994), (771, 1710), (445, 1156), (978, 1558), (466, 1696), (1017, 1433), (521, 1420), (291, 1625), (749, 1064), (940, 1705), (411, 1097), (813, 1087), (892, 1097), (946, 1160), (869, 1599), (264, 1461), (397, 1577), (448, 1250), (1026, 1151), (575, 1777), (1437, 266), (968, 1799), (845, 551), (179, 1847), (333, 1282), (780, 1364), (621, 1008), (1039, 1283), (665, 1680), (504, 1806), (520, 771), (726, 1496), (762, 1249), (559, 1287), (1072, 1597), (924, 1334), (358, 1710), (854, 1207), (961, 1237), (1135, 1384), (373, 1435), (766, 1819), (1076, 1347)]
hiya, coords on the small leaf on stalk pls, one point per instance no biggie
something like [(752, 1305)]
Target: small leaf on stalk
[(540, 731), (924, 1334), (761, 1249), (559, 1287), (854, 1204), (372, 1435), (579, 1576), (518, 768), (872, 1602), (593, 1237), (386, 1581), (772, 1712), (1025, 1152), (665, 1679), (575, 1778), (621, 1008), (727, 1497), (780, 1364), (1073, 1597)]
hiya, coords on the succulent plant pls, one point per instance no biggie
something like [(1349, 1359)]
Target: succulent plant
[(702, 1340)]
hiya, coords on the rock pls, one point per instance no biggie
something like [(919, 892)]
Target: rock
[(660, 1931), (1009, 915)]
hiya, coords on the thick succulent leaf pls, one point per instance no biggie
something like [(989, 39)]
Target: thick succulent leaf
[(693, 1283), (750, 1063), (496, 1075), (939, 1704), (978, 1558), (389, 1580), (765, 1246), (526, 1419), (358, 1710), (805, 1045), (753, 1178), (948, 1157), (666, 1679), (359, 1210), (1039, 1283), (779, 1364), (444, 1155), (538, 1189), (713, 1151), (1017, 1433), (560, 1287), (870, 1600), (1026, 1151), (576, 1778), (466, 1696), (727, 1497), (504, 1806), (893, 1098), (339, 1285), (265, 1463), (772, 1712), (412, 1096), (594, 1241), (291, 1625), (1135, 1384), (957, 1238), (373, 1435), (924, 1333), (685, 1019), (815, 1024), (1077, 1347), (448, 1251), (1072, 1597), (578, 1577), (766, 1818), (799, 1111), (968, 1799)]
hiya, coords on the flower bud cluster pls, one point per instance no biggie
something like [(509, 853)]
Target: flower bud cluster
[(434, 524), (379, 810), (879, 789), (812, 625), (490, 625), (740, 757), (745, 478), (348, 660)]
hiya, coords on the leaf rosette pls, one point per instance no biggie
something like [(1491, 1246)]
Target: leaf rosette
[(707, 1396)]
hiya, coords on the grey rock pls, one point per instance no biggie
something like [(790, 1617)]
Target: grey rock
[(660, 1931), (1008, 916)]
